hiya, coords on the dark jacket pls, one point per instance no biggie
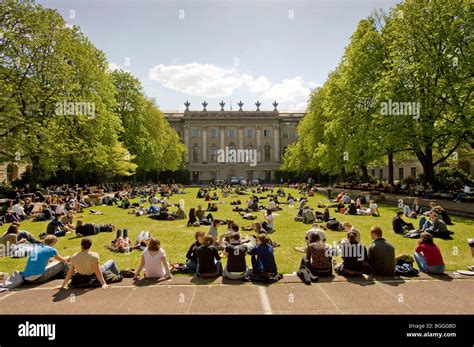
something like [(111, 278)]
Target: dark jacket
[(381, 256)]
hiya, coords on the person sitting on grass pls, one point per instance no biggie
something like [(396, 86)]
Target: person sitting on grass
[(180, 214), (434, 225), (200, 215), (428, 255), (44, 262), (212, 206), (153, 261), (381, 254), (373, 208), (399, 225), (18, 211), (216, 223), (268, 223), (257, 227), (84, 265), (45, 214), (351, 209), (209, 261), (14, 236), (315, 230), (68, 220), (235, 252), (346, 226), (56, 227), (191, 256), (354, 257), (264, 266), (192, 221), (443, 214), (226, 237), (416, 207), (318, 259)]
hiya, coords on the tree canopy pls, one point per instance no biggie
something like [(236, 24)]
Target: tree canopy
[(418, 57), (62, 109)]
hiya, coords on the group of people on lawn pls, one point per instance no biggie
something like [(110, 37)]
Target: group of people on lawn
[(204, 257)]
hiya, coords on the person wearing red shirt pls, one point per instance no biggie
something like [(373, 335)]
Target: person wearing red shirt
[(428, 255)]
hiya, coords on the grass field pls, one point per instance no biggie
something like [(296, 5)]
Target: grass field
[(175, 237)]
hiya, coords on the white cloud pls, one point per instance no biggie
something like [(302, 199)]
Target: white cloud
[(301, 106), (206, 79), (114, 66), (290, 90)]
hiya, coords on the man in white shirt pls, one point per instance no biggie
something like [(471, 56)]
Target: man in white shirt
[(315, 230), (465, 192), (18, 211)]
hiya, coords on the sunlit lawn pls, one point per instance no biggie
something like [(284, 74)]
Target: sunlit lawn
[(175, 237)]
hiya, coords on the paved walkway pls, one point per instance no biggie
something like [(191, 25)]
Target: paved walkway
[(449, 294)]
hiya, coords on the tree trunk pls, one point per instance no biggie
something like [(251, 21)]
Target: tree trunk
[(390, 168), (426, 160), (365, 173), (342, 174)]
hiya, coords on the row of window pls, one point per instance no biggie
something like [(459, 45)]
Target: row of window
[(233, 133), (267, 152)]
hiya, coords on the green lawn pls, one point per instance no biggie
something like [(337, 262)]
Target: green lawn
[(175, 237)]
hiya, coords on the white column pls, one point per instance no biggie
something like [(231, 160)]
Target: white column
[(204, 144), (259, 145), (222, 134), (241, 138), (186, 142), (276, 143)]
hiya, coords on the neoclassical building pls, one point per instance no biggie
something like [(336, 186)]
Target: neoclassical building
[(207, 133)]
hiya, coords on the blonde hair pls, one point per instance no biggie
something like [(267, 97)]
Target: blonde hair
[(50, 240)]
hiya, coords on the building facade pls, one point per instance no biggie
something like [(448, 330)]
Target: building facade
[(10, 172), (209, 136), (412, 168)]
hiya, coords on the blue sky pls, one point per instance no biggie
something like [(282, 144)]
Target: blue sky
[(222, 50)]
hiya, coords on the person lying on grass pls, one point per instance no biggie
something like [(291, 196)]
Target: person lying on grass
[(153, 261)]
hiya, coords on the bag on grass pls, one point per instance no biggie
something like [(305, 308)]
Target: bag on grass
[(405, 270)]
